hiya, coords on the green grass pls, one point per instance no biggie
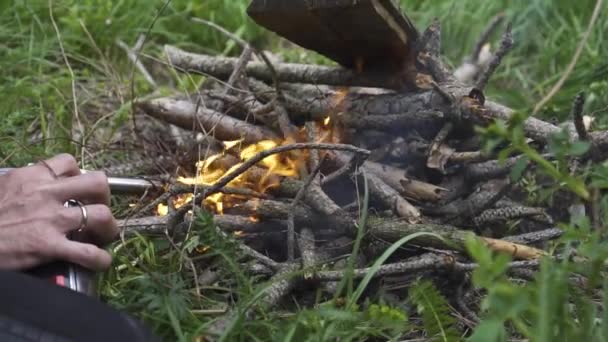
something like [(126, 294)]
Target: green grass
[(150, 280)]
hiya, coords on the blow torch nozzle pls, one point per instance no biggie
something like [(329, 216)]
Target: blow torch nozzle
[(122, 185)]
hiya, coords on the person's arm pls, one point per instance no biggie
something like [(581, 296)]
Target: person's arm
[(34, 223)]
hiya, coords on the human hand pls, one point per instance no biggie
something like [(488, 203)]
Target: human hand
[(34, 222)]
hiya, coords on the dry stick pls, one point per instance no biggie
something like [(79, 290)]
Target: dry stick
[(373, 104), (282, 116), (135, 60), (156, 225), (245, 45), (485, 37), (506, 44), (535, 237), (591, 205), (190, 116), (238, 70), (468, 157), (460, 298), (397, 179), (429, 52), (436, 159), (281, 284), (291, 232), (390, 121), (179, 215), (389, 197), (178, 189), (393, 230), (355, 162), (306, 244), (570, 68), (577, 116), (510, 213), (312, 136), (221, 67), (421, 263)]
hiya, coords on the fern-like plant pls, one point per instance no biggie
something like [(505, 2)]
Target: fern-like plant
[(430, 304)]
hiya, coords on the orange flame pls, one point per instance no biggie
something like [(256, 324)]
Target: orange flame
[(211, 169)]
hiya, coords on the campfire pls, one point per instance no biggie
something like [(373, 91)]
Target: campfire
[(308, 158), (265, 177)]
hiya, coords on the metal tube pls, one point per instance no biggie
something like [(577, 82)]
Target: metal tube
[(122, 185)]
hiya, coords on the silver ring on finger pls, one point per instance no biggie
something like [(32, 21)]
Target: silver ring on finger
[(83, 210)]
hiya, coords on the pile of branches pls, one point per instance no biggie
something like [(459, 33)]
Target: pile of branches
[(407, 140)]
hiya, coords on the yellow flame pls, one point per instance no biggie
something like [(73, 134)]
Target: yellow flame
[(254, 219), (239, 233), (209, 170), (162, 209), (203, 249), (230, 144)]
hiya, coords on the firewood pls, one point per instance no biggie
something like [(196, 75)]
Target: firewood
[(425, 262), (374, 104), (393, 230), (156, 225), (222, 67), (195, 117)]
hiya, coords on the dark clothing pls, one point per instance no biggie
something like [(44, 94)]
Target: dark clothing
[(32, 310)]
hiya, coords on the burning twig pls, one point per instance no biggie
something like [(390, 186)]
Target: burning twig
[(227, 178)]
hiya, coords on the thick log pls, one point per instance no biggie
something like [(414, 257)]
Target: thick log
[(383, 38), (188, 115)]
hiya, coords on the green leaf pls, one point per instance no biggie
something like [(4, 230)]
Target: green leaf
[(578, 148), (376, 266), (519, 168), (491, 330)]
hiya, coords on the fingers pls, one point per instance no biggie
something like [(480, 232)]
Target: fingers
[(89, 188), (101, 227), (63, 165), (60, 166), (84, 254)]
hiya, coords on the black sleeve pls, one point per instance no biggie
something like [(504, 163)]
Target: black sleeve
[(32, 310)]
